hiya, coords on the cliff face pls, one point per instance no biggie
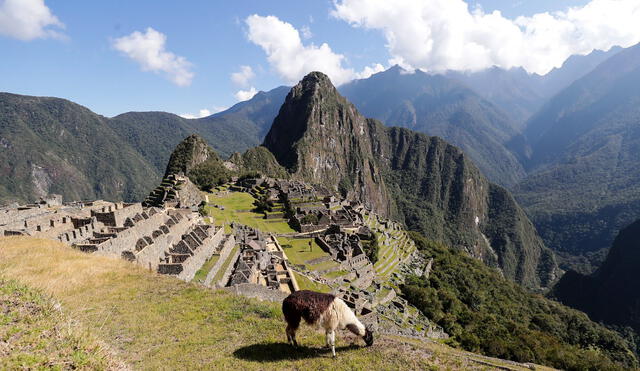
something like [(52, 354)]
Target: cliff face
[(427, 183), (321, 138)]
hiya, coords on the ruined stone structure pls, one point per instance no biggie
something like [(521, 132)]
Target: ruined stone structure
[(346, 249), (175, 191), (261, 262)]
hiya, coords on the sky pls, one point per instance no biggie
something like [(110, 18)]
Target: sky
[(198, 57)]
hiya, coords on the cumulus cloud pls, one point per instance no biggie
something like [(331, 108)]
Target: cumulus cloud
[(148, 49), (203, 113), (289, 57), (28, 19), (243, 76), (438, 35), (242, 95)]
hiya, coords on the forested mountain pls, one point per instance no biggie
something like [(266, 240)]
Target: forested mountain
[(155, 134), (585, 166), (440, 106), (423, 181), (51, 145), (612, 293)]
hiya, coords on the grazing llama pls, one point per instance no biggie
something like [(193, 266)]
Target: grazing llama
[(324, 311)]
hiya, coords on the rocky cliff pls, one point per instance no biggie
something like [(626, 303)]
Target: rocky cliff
[(428, 184)]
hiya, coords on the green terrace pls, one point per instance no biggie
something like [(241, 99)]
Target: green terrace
[(238, 208)]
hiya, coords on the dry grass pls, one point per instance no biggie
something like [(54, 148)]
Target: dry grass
[(157, 322)]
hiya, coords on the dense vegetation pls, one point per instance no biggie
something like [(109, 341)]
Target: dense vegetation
[(586, 158), (485, 313), (612, 293), (50, 145)]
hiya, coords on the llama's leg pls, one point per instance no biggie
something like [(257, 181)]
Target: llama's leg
[(291, 335), (331, 340)]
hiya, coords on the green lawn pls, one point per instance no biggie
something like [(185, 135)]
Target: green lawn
[(299, 252), (236, 209), (335, 274), (225, 265), (155, 322), (306, 284), (201, 274)]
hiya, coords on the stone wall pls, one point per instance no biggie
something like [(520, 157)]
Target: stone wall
[(127, 239), (115, 215), (149, 257), (202, 253)]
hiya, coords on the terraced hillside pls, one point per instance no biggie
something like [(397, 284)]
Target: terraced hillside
[(127, 308)]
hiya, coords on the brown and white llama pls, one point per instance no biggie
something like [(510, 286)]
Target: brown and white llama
[(324, 311)]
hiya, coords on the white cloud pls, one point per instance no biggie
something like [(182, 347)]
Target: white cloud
[(148, 49), (369, 70), (438, 35), (242, 95), (28, 20), (243, 76), (203, 113), (289, 57), (306, 32)]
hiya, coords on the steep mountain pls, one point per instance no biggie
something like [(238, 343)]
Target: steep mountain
[(428, 184), (440, 106), (51, 145), (585, 166), (612, 293)]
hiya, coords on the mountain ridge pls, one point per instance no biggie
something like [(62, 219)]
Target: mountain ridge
[(423, 181)]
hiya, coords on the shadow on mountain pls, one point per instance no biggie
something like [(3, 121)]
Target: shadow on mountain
[(274, 352)]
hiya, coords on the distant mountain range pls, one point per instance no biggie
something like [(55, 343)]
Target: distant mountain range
[(584, 171)]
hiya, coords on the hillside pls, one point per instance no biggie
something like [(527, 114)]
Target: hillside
[(486, 313), (422, 181), (439, 106), (51, 145), (612, 293), (156, 134), (583, 185), (127, 308)]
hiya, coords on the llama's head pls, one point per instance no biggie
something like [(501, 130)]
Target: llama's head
[(368, 336)]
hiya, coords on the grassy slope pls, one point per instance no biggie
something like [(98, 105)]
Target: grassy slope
[(36, 334), (154, 321)]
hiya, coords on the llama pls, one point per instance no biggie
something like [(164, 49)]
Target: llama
[(324, 311)]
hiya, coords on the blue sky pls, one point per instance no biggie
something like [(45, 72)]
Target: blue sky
[(96, 60)]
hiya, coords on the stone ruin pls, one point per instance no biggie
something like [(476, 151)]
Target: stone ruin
[(175, 191), (346, 249), (165, 240), (261, 262)]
